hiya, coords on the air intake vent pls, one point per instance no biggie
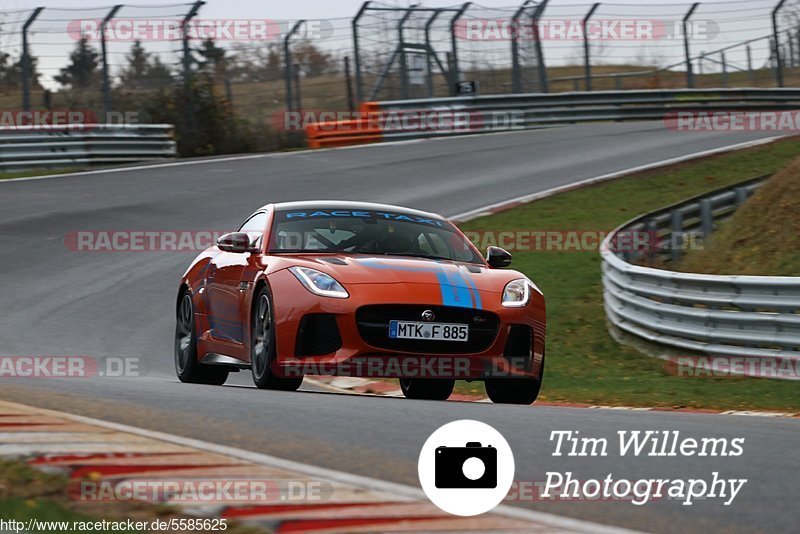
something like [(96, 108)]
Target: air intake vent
[(318, 335)]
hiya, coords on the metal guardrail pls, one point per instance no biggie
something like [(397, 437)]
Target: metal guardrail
[(481, 114), (732, 316), (83, 145)]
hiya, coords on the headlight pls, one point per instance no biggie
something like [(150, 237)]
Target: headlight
[(319, 283), (517, 293)]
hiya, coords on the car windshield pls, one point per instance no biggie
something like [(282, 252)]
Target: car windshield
[(369, 232)]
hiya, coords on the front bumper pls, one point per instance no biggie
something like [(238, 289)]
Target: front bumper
[(514, 348)]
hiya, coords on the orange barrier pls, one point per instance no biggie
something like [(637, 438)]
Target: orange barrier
[(365, 129)]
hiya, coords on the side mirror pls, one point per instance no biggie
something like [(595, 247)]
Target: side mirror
[(236, 242), (497, 258)]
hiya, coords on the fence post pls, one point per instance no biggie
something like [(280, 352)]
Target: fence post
[(357, 51), (455, 74), (777, 47), (189, 117), (516, 74), (403, 57), (106, 80), (288, 75), (797, 43), (349, 84), (724, 69), (428, 51), (687, 53), (299, 104), (25, 61), (749, 64), (537, 14), (587, 63)]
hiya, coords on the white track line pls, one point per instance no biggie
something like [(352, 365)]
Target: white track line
[(399, 491), (524, 199)]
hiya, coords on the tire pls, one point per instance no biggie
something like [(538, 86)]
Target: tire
[(262, 346), (513, 390), (187, 366), (427, 388)]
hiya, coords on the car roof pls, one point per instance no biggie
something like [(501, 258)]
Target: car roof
[(348, 205)]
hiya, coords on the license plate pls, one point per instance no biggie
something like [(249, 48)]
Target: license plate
[(428, 331)]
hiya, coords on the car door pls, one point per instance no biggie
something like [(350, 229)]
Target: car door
[(227, 283)]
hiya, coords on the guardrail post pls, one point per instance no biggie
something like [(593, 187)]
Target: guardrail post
[(777, 44), (676, 241), (25, 61), (689, 72), (288, 66), (455, 73), (106, 80), (516, 69), (587, 62), (650, 229), (357, 51), (706, 218), (741, 195)]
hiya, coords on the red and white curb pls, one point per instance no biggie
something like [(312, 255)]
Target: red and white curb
[(382, 388), (99, 451)]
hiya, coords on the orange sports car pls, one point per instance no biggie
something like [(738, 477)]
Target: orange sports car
[(359, 289)]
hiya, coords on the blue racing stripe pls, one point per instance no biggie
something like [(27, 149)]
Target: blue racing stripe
[(457, 289)]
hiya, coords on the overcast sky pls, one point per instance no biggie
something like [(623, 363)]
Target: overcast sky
[(295, 9), (739, 20)]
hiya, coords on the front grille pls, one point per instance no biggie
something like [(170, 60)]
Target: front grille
[(373, 326), (318, 334)]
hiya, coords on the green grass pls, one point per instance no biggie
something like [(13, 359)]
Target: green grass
[(584, 364), (27, 174)]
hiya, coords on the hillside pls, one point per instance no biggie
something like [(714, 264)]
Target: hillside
[(762, 238)]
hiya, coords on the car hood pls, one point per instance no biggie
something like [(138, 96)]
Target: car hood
[(368, 269)]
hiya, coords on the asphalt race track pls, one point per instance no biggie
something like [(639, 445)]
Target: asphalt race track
[(58, 302)]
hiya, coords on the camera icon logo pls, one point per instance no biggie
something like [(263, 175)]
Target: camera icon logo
[(461, 475), (473, 466)]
